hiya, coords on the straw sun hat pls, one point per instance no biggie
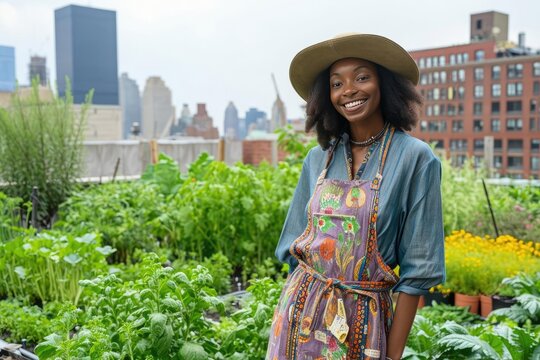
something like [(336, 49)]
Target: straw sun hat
[(308, 63)]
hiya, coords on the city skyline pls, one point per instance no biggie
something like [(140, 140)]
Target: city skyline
[(250, 41)]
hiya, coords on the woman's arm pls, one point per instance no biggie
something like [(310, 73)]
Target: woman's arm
[(401, 326)]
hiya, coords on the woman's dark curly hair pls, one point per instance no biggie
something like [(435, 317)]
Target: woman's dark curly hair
[(400, 102)]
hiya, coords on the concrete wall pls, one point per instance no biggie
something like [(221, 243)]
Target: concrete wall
[(101, 156)]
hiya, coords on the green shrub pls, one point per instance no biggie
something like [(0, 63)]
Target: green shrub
[(41, 146)]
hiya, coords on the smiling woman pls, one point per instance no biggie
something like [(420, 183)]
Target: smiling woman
[(368, 200)]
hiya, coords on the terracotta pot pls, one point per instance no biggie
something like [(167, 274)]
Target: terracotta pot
[(486, 305), (439, 298), (470, 301), (501, 302)]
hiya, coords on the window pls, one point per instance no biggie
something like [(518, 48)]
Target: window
[(459, 58), (461, 92), (535, 163), (439, 144), (514, 124), (435, 77), (460, 145), (460, 109), (428, 62), (443, 93), (536, 88), (423, 125), (479, 55), (496, 72), (478, 91), (452, 59), (429, 110), (451, 109), (479, 24), (458, 160), (478, 125), (422, 63), (442, 60), (461, 75), (437, 126), (496, 90), (436, 94), (478, 74), (465, 57), (454, 75), (430, 78), (477, 108), (532, 124), (478, 144), (513, 106), (536, 69), (515, 146), (495, 107), (443, 77), (532, 106), (514, 89), (497, 162), (495, 125), (436, 110), (497, 145), (457, 125), (535, 145), (515, 162), (514, 71)]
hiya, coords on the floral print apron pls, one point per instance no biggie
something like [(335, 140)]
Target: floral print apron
[(336, 304)]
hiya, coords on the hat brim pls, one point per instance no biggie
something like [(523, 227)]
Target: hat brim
[(308, 63)]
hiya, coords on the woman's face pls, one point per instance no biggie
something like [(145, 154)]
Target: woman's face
[(354, 90)]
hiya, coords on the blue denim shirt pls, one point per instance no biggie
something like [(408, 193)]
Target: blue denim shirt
[(409, 226)]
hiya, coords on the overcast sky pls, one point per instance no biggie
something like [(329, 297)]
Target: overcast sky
[(216, 51)]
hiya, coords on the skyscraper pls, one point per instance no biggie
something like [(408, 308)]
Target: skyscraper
[(7, 68), (255, 120), (279, 115), (86, 53), (38, 68), (203, 124), (130, 100), (231, 123), (158, 110)]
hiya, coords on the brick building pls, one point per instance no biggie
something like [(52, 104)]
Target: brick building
[(482, 99)]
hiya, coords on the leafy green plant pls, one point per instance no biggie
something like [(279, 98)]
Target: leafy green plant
[(49, 265), (123, 213), (218, 267), (442, 312), (450, 340), (244, 335), (160, 315), (41, 146), (295, 144), (18, 321), (11, 224), (165, 175)]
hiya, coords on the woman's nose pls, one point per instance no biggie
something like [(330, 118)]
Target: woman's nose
[(349, 89)]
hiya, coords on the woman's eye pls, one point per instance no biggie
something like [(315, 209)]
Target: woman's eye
[(335, 84), (362, 78)]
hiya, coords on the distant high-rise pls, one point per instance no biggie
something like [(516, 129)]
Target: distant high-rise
[(182, 122), (255, 120), (203, 124), (38, 68), (130, 100), (158, 110), (7, 68), (231, 123), (86, 53), (279, 115)]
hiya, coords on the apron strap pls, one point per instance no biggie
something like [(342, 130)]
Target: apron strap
[(383, 151)]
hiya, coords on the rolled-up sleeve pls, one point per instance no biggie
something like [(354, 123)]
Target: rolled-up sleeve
[(296, 220), (421, 246)]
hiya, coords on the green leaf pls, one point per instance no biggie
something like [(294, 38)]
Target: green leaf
[(106, 250), (191, 351), (157, 324), (86, 238), (165, 341), (468, 342), (21, 272), (73, 259)]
